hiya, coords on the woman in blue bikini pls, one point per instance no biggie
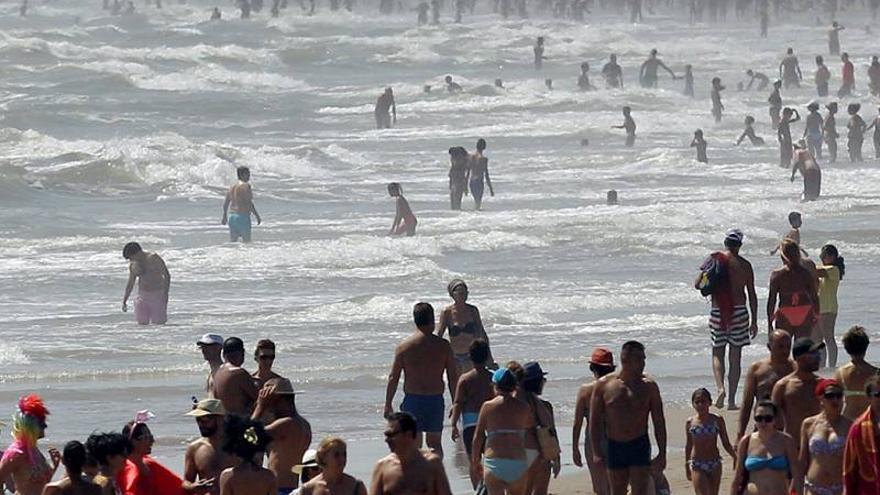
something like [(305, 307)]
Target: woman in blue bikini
[(766, 459), (702, 459)]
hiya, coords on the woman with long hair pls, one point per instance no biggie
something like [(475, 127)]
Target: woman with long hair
[(246, 440), (830, 274), (22, 460)]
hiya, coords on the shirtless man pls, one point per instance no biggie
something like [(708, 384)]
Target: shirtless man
[(790, 70), (620, 405), (648, 71), (232, 384), (264, 355), (762, 79), (775, 101), (731, 323), (629, 124), (205, 458), (211, 346), (474, 388), (407, 469), (383, 105), (291, 433), (241, 199), (423, 357), (612, 73), (763, 375), (794, 393), (823, 76), (154, 281)]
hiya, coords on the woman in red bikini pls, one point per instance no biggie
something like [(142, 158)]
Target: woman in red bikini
[(796, 289)]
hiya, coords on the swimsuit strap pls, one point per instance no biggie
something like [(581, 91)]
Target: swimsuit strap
[(501, 431)]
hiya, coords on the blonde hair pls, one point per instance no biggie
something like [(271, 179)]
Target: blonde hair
[(327, 445)]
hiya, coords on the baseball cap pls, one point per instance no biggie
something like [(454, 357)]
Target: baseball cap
[(504, 378), (310, 459), (210, 339), (207, 407), (533, 370), (282, 386), (233, 344), (734, 235), (805, 345), (602, 357)]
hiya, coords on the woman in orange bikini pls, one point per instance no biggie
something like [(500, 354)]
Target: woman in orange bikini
[(796, 289)]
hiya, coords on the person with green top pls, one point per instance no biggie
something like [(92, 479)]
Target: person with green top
[(854, 374), (830, 274)]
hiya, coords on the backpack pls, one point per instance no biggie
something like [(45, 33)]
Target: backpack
[(713, 271)]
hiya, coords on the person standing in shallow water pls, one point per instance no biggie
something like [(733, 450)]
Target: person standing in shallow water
[(849, 77), (539, 53), (629, 125), (783, 135), (154, 282), (240, 199), (404, 220), (823, 76), (829, 130), (458, 170), (386, 110), (717, 106), (856, 132), (477, 173), (775, 101), (584, 79), (875, 124), (688, 80), (806, 164), (700, 144), (813, 130), (464, 324), (613, 73), (834, 38), (790, 70)]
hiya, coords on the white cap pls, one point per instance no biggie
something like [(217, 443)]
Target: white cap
[(210, 339)]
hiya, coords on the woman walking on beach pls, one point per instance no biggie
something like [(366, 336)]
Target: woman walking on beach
[(830, 274), (823, 437), (601, 364), (542, 444), (796, 289), (702, 459), (766, 457), (854, 374), (22, 461), (464, 324)]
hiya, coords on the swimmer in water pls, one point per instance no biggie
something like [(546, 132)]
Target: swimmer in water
[(404, 220), (775, 101), (749, 132), (717, 106), (630, 125), (584, 79), (689, 80), (834, 38), (762, 79), (700, 144), (783, 134), (452, 86), (215, 14), (856, 134), (813, 130), (829, 130), (790, 70), (539, 53), (823, 75), (385, 109), (613, 73), (648, 70)]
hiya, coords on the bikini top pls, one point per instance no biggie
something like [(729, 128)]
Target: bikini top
[(704, 430), (469, 328), (492, 433), (775, 463), (819, 445)]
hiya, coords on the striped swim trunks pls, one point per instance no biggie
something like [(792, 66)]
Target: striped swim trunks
[(738, 333)]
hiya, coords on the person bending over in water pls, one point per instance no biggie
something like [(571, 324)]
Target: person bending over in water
[(154, 282), (700, 143), (613, 73), (717, 106), (584, 79), (404, 220), (856, 134), (813, 130), (762, 79), (790, 70), (749, 132), (452, 86), (829, 130), (783, 134), (809, 169), (648, 71), (385, 109), (630, 125), (775, 101), (240, 199)]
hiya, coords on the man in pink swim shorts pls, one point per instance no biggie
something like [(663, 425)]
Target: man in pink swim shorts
[(151, 303)]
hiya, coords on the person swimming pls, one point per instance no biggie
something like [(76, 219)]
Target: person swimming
[(452, 86), (749, 132)]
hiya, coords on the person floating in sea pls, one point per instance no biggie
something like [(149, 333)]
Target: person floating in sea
[(856, 134), (717, 106), (790, 70), (452, 86), (613, 73), (700, 144), (478, 173), (813, 130), (240, 199), (749, 132), (539, 53), (404, 220), (629, 125), (386, 110), (762, 79), (829, 130), (823, 76), (648, 70), (806, 164), (584, 79), (775, 101), (154, 282)]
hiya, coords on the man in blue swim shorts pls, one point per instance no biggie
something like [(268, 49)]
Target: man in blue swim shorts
[(240, 199), (423, 358)]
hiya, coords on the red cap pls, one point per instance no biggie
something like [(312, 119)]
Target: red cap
[(824, 384), (602, 357)]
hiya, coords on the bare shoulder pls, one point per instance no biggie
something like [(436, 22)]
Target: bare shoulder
[(433, 460)]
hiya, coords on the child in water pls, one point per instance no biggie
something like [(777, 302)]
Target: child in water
[(749, 132), (630, 125), (703, 460), (700, 143), (796, 222), (404, 220)]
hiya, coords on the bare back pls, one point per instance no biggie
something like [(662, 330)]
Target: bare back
[(150, 273), (247, 479), (291, 436), (475, 388), (424, 358), (240, 198), (235, 388)]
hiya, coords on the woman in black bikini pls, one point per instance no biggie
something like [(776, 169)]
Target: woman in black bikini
[(464, 325)]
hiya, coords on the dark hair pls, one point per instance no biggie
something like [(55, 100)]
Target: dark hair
[(394, 186), (819, 59), (232, 344), (768, 404), (131, 249), (701, 392), (793, 215), (134, 431), (74, 457), (534, 385), (732, 243), (479, 351), (856, 341), (244, 437), (831, 250), (423, 314), (791, 253), (406, 421), (104, 445), (853, 108), (264, 344), (633, 345), (600, 370), (241, 172), (481, 144)]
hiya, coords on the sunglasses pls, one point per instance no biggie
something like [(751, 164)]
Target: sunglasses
[(266, 357), (833, 395), (761, 418)]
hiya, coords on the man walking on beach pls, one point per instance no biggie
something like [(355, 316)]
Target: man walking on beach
[(763, 375), (291, 433), (731, 323), (154, 282), (423, 358), (211, 346), (620, 406), (794, 393), (408, 469), (205, 458), (232, 384)]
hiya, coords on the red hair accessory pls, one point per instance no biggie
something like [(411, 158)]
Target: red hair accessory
[(824, 384)]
